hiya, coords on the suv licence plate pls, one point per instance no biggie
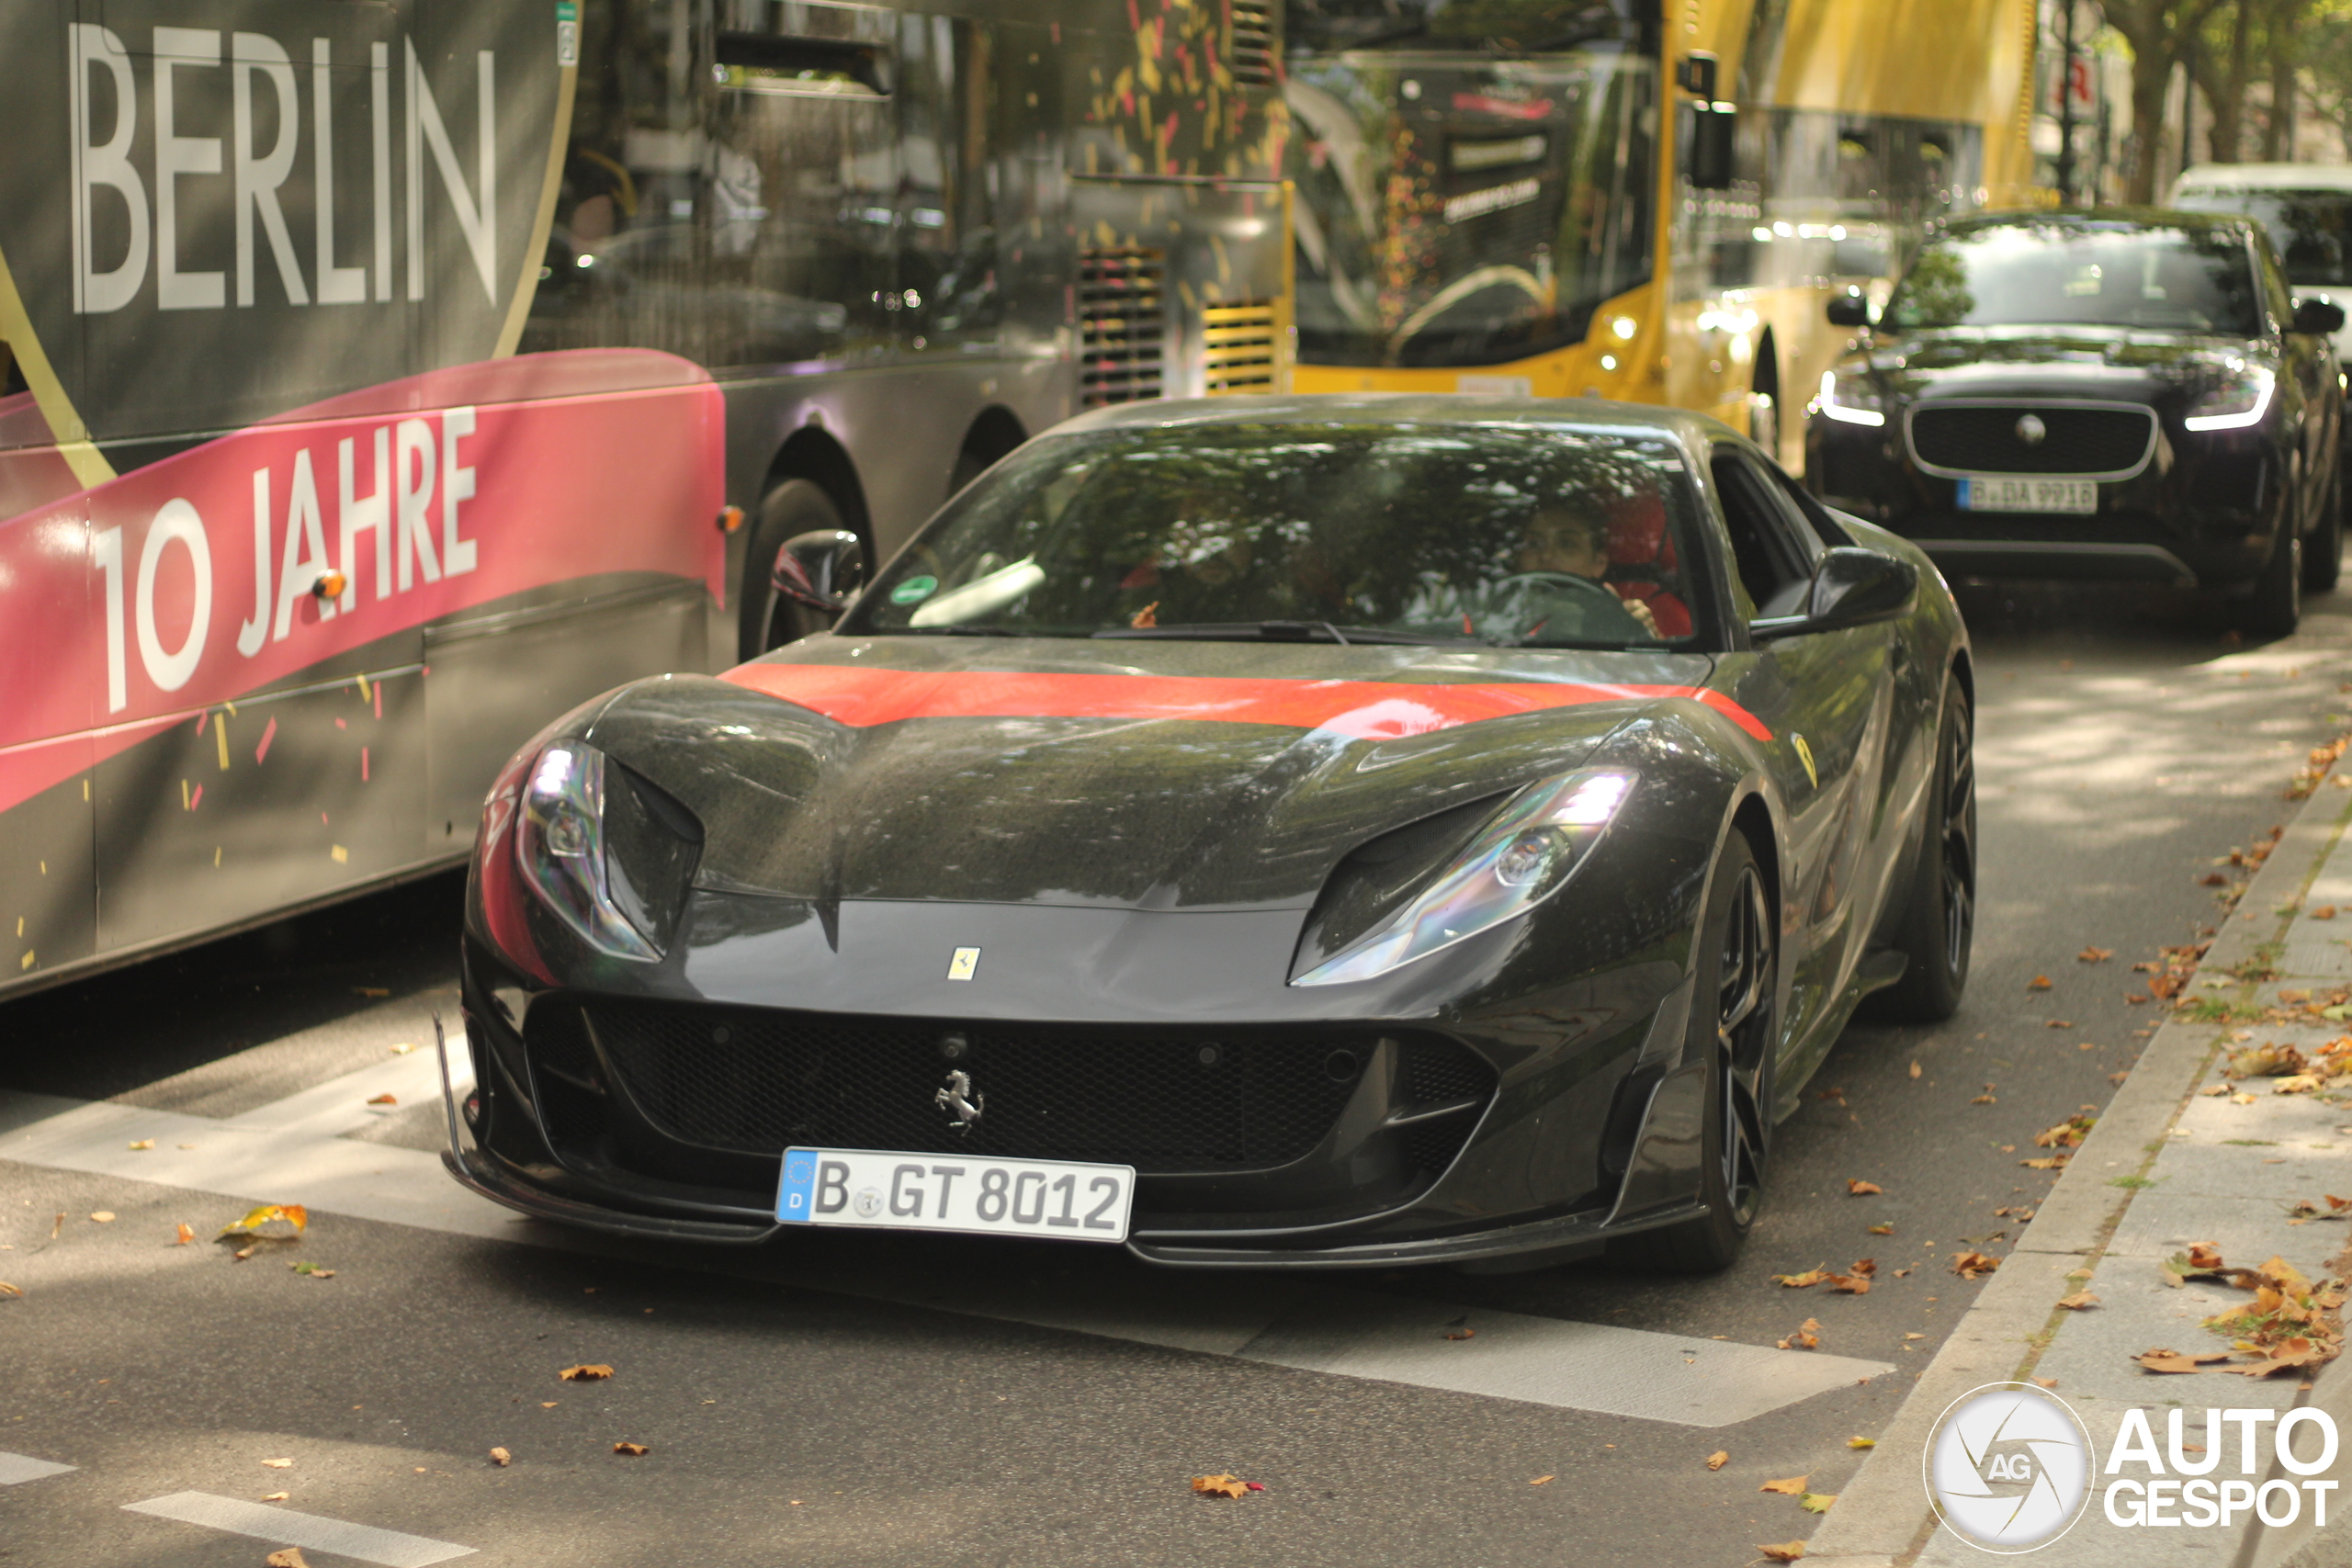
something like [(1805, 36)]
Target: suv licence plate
[(2004, 494), (1055, 1199)]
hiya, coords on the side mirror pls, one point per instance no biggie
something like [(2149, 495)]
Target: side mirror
[(2317, 318), (1711, 146), (1852, 586), (819, 571), (1848, 311)]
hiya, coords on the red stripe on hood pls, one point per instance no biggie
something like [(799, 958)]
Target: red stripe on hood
[(1359, 710)]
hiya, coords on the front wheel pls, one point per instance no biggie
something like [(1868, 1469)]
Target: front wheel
[(1734, 1009), (2276, 606), (768, 620), (1939, 922), (2324, 552)]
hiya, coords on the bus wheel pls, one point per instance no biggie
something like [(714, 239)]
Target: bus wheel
[(796, 506)]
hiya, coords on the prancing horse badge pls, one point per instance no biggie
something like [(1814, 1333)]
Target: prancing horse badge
[(961, 966)]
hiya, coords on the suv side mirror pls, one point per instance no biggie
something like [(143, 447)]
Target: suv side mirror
[(1852, 586), (2317, 318), (1848, 311), (819, 571)]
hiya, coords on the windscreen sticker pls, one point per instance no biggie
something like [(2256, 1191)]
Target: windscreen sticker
[(914, 591), (1356, 710)]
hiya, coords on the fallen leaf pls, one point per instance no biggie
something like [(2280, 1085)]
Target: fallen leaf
[(312, 1269), (403, 1049), (2053, 1162), (1862, 1188), (104, 1216), (1862, 1442), (2039, 983), (144, 1144), (2212, 879), (10, 1291), (1969, 1265), (2095, 955), (2045, 1382), (241, 1254), (287, 1557), (1792, 1486), (280, 1464), (2068, 1135), (548, 1403), (1462, 1334), (1806, 1338), (1816, 1502), (2060, 1023), (633, 1450), (592, 1373), (2325, 912), (1786, 1551), (1913, 1335), (2267, 1060), (186, 1235), (1983, 1099), (384, 1099), (2173, 1361), (2080, 1300), (292, 1214), (275, 1496), (1813, 1276), (2241, 1100), (1852, 1284), (1915, 1069), (1220, 1486), (1882, 1230), (1719, 1459), (501, 1458), (1543, 1481)]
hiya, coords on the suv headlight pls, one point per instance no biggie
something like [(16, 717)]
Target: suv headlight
[(560, 844), (2238, 403), (1850, 398), (1523, 857)]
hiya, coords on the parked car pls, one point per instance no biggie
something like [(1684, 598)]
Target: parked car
[(1314, 831), (2132, 396)]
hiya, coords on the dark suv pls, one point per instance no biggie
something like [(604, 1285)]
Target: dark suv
[(2129, 396)]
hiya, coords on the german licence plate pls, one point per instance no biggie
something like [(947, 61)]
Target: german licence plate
[(2028, 495), (1054, 1200)]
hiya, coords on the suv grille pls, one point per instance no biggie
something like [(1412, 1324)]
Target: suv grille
[(755, 1081), (1122, 321), (2077, 440)]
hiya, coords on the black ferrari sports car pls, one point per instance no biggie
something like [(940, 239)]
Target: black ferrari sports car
[(2130, 396), (1316, 831)]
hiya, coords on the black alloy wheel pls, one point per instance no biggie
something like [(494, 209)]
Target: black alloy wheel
[(1734, 1030), (792, 508), (1939, 925), (2275, 607), (2323, 552)]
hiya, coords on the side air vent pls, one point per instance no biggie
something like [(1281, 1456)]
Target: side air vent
[(1239, 344), (1122, 321), (1253, 43)]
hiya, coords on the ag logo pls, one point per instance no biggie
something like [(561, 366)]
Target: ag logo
[(2009, 1467)]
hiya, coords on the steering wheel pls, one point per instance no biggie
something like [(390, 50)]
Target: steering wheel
[(1573, 586)]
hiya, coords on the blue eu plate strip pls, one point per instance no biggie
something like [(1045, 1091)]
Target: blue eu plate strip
[(1963, 496), (793, 1194)]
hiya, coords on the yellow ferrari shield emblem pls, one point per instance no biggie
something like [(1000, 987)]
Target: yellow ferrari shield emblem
[(1804, 755)]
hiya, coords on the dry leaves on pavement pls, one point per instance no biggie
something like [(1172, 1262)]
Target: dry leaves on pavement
[(2080, 1300), (2095, 955), (104, 1217), (2039, 983), (140, 1143), (279, 1463), (1986, 1098), (2302, 1210), (1813, 1276), (1862, 1442), (1816, 1502), (2292, 1323), (2048, 1162), (275, 1496), (1915, 1069), (10, 1291), (296, 1216), (1460, 1328), (1806, 1338), (2068, 1135), (312, 1269), (1224, 1487), (1790, 1486), (1543, 1481), (287, 1557), (2267, 1060), (1862, 1188), (2174, 1361), (593, 1372), (1883, 1230), (634, 1451), (1971, 1265), (501, 1458), (186, 1235), (1783, 1552), (384, 1099), (1719, 1459)]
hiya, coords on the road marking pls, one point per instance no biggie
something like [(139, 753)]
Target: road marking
[(391, 1548), (1287, 1322), (17, 1469)]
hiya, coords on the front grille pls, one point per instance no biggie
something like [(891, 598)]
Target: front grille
[(1984, 440), (1253, 43), (1239, 341), (755, 1081), (1123, 324)]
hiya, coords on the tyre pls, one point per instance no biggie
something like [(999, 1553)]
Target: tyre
[(2276, 605), (794, 507), (2323, 552), (1940, 920), (1733, 1029)]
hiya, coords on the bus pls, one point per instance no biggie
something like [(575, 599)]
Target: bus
[(1640, 199), (383, 380)]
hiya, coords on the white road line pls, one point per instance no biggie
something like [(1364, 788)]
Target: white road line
[(341, 1103), (17, 1469), (367, 1543), (1286, 1322)]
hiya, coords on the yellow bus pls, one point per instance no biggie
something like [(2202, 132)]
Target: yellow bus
[(1641, 199)]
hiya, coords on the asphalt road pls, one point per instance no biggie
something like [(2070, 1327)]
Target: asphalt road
[(892, 1401)]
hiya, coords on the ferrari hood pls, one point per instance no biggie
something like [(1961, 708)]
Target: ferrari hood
[(1176, 775)]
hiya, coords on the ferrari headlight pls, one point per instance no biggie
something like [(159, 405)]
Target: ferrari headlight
[(2238, 403), (560, 844), (1849, 398), (1526, 854)]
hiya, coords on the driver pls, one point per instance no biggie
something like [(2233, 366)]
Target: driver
[(1574, 543)]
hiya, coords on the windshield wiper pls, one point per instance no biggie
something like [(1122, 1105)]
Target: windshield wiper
[(1278, 631)]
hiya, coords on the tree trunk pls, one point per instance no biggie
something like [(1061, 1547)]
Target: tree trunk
[(2150, 85), (2278, 130), (2226, 91)]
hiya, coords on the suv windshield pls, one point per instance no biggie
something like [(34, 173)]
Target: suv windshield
[(1491, 533), (2026, 274), (2312, 229), (1461, 208)]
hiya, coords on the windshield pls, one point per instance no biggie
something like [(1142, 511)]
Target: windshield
[(2184, 281), (2312, 229), (1459, 209), (1488, 533)]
